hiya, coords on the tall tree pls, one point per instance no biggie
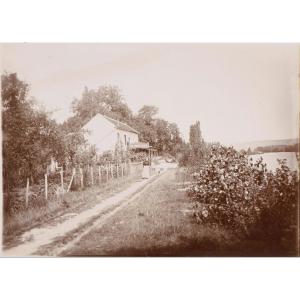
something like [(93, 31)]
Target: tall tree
[(106, 100), (195, 134), (14, 111), (30, 137), (196, 141)]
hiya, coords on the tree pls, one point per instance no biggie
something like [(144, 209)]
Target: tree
[(74, 146), (194, 152), (30, 137), (145, 124), (176, 140), (146, 113), (106, 100), (184, 154), (195, 135), (161, 134), (196, 140), (14, 108)]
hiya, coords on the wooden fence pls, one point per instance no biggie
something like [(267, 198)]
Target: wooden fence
[(54, 185)]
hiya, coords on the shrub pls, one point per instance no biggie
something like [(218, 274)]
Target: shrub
[(105, 158), (232, 191)]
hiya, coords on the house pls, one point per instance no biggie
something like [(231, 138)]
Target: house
[(105, 133)]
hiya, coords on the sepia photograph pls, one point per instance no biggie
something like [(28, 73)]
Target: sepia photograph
[(150, 149)]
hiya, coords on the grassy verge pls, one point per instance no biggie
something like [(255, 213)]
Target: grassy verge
[(73, 202), (160, 223)]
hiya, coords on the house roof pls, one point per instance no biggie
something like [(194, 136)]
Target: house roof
[(120, 125)]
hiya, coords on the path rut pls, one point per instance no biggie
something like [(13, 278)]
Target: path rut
[(36, 238)]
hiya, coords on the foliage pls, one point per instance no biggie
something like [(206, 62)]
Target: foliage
[(249, 151), (196, 142), (231, 191), (164, 136), (30, 137), (184, 157), (105, 158), (87, 156), (193, 154), (120, 154), (146, 113), (75, 146), (106, 100), (138, 156)]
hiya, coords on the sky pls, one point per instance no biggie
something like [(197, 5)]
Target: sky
[(238, 92)]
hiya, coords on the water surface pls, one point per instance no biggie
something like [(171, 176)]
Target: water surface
[(271, 159)]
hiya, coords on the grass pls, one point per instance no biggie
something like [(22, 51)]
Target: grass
[(73, 202), (160, 223)]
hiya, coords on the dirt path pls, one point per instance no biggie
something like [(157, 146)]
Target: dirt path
[(158, 223), (50, 239)]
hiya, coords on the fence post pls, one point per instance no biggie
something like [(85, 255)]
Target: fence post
[(112, 171), (122, 170), (62, 179), (117, 171), (70, 184), (99, 173), (27, 191), (46, 186), (81, 177), (106, 173), (92, 175)]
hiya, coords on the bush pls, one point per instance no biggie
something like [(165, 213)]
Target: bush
[(232, 191)]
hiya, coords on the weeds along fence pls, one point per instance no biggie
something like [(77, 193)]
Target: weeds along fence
[(54, 185)]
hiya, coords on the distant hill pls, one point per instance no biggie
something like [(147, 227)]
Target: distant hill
[(264, 143)]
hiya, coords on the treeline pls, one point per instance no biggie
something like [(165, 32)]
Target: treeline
[(194, 153), (164, 136), (31, 137), (278, 148)]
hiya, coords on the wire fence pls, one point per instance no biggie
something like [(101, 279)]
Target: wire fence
[(55, 184)]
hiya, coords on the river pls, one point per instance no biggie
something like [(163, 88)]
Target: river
[(271, 159)]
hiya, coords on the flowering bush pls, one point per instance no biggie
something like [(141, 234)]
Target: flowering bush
[(235, 192)]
